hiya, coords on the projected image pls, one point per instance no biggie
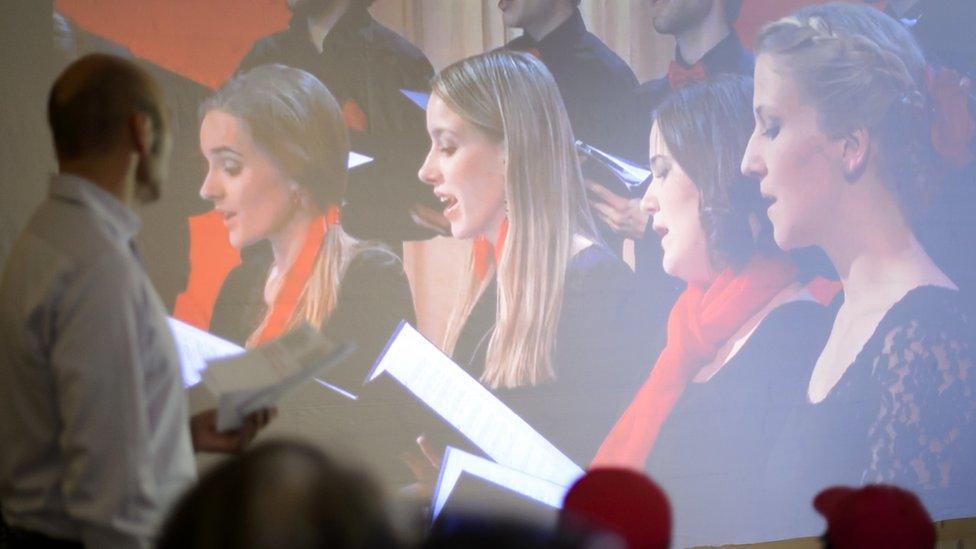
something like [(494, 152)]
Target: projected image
[(746, 274)]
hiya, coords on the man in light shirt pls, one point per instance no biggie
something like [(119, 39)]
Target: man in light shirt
[(93, 418)]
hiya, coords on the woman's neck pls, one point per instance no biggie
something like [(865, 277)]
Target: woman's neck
[(287, 243), (878, 257)]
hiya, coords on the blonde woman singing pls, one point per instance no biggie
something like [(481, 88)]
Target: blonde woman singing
[(541, 319)]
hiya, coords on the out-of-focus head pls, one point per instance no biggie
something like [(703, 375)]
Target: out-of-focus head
[(275, 142), (677, 16), (280, 494), (837, 95), (709, 216), (874, 516), (102, 104), (622, 502), (522, 13)]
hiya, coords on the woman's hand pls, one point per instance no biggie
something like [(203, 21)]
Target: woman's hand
[(430, 219), (424, 462), (624, 216), (206, 438)]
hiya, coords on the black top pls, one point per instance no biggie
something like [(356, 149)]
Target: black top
[(903, 413), (596, 372), (657, 290), (374, 296), (711, 453), (595, 82), (365, 62)]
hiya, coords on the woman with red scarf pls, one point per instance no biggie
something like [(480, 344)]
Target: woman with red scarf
[(741, 338), (277, 148)]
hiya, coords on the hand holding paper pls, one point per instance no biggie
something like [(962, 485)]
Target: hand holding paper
[(262, 376), (464, 403), (206, 438)]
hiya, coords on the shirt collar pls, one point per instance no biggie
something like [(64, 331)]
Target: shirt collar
[(726, 54), (564, 38), (351, 23), (121, 221)]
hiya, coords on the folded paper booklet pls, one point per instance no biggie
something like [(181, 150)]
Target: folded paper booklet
[(487, 477), (196, 347), (464, 403), (418, 98), (260, 377), (356, 160), (630, 178)]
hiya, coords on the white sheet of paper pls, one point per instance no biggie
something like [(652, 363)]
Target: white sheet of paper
[(456, 462), (196, 347), (417, 98), (356, 160), (260, 377), (468, 406), (631, 174)]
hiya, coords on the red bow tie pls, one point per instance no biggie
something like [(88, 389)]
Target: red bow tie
[(679, 76)]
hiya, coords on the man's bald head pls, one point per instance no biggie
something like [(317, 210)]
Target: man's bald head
[(92, 102)]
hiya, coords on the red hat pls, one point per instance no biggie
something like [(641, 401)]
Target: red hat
[(624, 502), (876, 515)]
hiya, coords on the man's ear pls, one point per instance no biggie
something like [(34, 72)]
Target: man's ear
[(142, 132), (856, 152)]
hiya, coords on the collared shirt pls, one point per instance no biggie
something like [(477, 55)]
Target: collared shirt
[(93, 417), (727, 57), (595, 83)]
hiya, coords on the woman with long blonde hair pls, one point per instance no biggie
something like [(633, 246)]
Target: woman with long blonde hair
[(541, 319), (277, 150)]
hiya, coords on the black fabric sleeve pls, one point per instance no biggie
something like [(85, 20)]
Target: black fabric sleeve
[(373, 298)]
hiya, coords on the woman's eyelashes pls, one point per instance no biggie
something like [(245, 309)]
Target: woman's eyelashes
[(770, 128), (232, 168), (229, 166), (447, 149), (771, 132)]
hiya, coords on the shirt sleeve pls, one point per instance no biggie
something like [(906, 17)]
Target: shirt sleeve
[(108, 485), (925, 430), (373, 298)]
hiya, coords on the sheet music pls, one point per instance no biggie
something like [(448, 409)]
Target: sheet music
[(469, 407), (196, 347), (356, 160), (260, 377), (417, 98), (457, 462), (630, 174)]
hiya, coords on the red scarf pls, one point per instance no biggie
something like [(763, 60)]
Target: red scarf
[(679, 76), (291, 290), (484, 252), (700, 324)]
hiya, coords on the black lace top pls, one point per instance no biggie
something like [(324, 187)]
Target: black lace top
[(903, 413), (924, 434)]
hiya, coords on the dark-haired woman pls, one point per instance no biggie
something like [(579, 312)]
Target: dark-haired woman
[(741, 338)]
